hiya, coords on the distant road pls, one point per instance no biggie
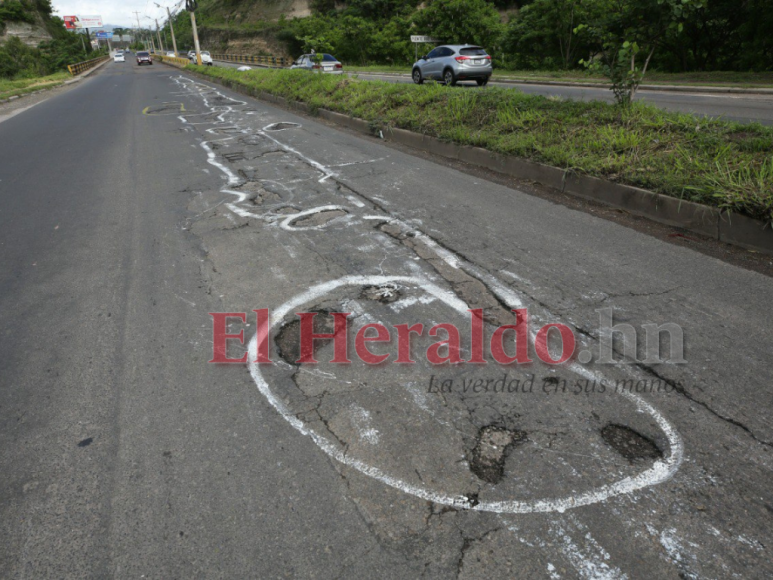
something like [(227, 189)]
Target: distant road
[(741, 108)]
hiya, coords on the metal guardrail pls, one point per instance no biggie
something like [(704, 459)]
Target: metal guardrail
[(79, 67), (175, 60), (270, 61)]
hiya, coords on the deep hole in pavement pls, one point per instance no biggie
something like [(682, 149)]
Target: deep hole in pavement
[(384, 293), (319, 218), (281, 126), (288, 338), (631, 445), (493, 443)]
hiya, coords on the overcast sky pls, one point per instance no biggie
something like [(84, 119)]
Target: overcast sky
[(115, 13)]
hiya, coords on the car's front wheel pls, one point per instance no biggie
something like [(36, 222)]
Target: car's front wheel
[(417, 78), (449, 78)]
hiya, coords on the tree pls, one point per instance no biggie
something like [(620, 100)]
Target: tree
[(543, 34), (461, 21), (627, 31)]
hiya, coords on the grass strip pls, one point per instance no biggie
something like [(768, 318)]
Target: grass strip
[(10, 88), (717, 163), (740, 80)]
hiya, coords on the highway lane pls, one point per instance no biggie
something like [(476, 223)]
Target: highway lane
[(733, 107), (124, 453)]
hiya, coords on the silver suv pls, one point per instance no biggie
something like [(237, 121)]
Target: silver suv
[(454, 62)]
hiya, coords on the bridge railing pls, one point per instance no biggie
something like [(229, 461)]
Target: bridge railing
[(175, 60), (79, 67), (269, 61)]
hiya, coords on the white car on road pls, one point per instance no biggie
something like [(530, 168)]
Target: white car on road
[(118, 57), (206, 58)]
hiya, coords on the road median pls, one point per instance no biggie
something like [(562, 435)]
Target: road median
[(670, 167)]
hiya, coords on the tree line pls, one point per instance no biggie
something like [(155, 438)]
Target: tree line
[(680, 35)]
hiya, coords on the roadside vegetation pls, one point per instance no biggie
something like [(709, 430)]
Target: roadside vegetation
[(718, 163), (621, 41), (11, 88), (699, 79), (20, 62)]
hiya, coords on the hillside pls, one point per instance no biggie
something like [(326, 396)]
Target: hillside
[(30, 21), (33, 42)]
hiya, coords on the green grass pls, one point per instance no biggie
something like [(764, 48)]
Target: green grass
[(22, 86), (716, 79), (723, 164)]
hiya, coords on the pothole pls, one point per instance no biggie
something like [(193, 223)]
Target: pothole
[(281, 126), (384, 293), (234, 157), (249, 174), (490, 452), (288, 339), (318, 219), (631, 445)]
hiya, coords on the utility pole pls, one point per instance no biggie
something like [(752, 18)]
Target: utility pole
[(158, 34), (139, 28), (190, 6), (171, 27)]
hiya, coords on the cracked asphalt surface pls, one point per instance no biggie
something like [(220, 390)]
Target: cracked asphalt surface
[(125, 454)]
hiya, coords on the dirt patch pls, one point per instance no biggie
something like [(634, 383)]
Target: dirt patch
[(492, 446), (630, 444)]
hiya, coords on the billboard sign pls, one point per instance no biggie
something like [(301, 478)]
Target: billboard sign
[(89, 21), (103, 34)]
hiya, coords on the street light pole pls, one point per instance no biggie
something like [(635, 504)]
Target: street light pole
[(190, 6)]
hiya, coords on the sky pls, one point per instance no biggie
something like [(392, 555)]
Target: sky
[(116, 13)]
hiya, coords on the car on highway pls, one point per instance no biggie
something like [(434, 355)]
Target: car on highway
[(206, 58), (329, 64), (451, 63), (119, 57), (169, 53), (143, 57)]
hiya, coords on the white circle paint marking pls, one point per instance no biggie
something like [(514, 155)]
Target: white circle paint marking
[(661, 470)]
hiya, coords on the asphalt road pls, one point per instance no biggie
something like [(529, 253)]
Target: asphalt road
[(733, 107), (138, 201)]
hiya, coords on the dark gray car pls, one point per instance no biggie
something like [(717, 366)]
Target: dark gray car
[(454, 62)]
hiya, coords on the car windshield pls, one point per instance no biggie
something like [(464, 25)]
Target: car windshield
[(329, 58), (473, 51), (205, 52), (142, 54)]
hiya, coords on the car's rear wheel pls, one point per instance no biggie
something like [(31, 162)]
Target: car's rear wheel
[(449, 78), (417, 78)]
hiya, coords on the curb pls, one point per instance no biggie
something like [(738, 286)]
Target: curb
[(721, 225), (664, 88)]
